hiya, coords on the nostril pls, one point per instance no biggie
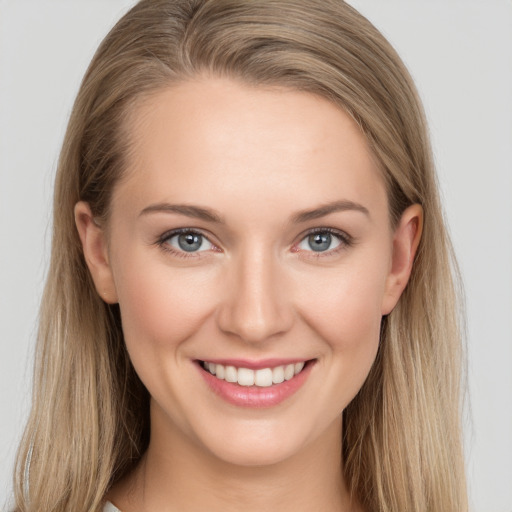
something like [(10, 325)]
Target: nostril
[(257, 327)]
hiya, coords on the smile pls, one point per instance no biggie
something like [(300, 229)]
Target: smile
[(263, 377), (263, 384)]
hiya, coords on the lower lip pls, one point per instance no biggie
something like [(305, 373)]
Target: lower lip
[(255, 396)]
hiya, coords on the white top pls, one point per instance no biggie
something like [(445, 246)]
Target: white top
[(108, 507)]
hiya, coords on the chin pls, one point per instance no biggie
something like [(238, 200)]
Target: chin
[(260, 442), (255, 453)]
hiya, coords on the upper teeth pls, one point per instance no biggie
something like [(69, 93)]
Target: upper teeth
[(246, 377)]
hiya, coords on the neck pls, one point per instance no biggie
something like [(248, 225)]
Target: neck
[(176, 474)]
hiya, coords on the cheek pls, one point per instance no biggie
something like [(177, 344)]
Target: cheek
[(344, 303), (161, 306), (345, 310), (346, 313)]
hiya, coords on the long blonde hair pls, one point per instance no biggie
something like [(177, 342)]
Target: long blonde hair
[(89, 423)]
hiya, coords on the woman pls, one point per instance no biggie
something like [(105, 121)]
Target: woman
[(250, 299)]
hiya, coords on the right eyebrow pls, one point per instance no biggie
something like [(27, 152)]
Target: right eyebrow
[(195, 212)]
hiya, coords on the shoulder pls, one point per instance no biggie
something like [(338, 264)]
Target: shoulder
[(108, 507)]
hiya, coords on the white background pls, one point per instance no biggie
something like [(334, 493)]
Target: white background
[(459, 52)]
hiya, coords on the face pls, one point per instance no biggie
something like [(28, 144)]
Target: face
[(249, 239)]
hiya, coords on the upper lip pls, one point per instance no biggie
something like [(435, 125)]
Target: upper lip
[(256, 365)]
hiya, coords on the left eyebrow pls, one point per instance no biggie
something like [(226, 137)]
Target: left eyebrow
[(326, 209)]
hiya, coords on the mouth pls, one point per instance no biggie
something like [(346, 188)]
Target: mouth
[(255, 384), (262, 377)]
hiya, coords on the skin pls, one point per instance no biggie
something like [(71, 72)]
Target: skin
[(256, 289)]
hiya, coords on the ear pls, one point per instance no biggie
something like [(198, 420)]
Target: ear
[(94, 244), (406, 239)]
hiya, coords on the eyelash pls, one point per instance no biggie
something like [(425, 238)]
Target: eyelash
[(162, 242), (345, 240)]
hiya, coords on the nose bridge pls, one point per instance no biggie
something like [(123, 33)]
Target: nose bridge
[(254, 306)]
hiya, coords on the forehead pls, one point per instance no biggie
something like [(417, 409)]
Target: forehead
[(214, 140)]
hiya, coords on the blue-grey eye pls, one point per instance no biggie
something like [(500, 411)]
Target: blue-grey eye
[(190, 242), (320, 241)]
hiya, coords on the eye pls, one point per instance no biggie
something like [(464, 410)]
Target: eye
[(323, 240), (187, 241)]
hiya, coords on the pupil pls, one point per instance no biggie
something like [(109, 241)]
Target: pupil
[(190, 242), (320, 241)]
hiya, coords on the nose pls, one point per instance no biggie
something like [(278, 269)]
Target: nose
[(255, 305)]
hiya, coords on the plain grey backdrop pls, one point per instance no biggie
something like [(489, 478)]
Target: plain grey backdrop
[(460, 54)]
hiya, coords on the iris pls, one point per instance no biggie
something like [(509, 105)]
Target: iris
[(190, 242), (320, 241)]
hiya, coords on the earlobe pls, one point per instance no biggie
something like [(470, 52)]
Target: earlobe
[(94, 245), (406, 239)]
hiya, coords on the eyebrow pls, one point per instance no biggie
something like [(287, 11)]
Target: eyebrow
[(195, 212), (210, 216), (326, 209)]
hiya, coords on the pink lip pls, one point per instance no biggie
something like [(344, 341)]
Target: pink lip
[(254, 396)]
